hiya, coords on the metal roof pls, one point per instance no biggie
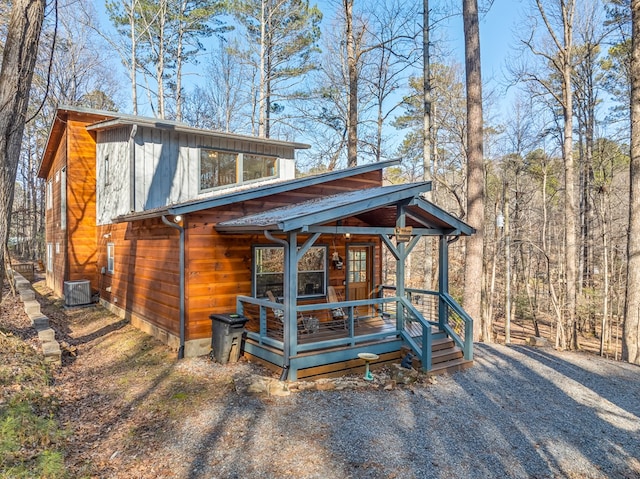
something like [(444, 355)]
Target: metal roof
[(375, 206), (250, 193), (122, 120)]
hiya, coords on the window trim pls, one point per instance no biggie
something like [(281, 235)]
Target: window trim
[(325, 270), (240, 180)]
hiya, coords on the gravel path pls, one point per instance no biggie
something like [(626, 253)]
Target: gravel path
[(519, 412)]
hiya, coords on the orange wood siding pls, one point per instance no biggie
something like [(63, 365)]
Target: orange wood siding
[(218, 266), (146, 275), (54, 234), (81, 203)]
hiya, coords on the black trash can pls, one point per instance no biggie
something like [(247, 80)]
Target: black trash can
[(226, 336)]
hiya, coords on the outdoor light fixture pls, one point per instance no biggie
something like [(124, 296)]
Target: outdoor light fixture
[(177, 219), (347, 235)]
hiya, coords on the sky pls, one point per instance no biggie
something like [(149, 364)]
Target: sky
[(497, 35)]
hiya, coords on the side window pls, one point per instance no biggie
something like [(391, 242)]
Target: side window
[(49, 257), (107, 168), (110, 257), (49, 194), (63, 199)]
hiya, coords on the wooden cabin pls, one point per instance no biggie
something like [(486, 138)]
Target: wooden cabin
[(170, 224)]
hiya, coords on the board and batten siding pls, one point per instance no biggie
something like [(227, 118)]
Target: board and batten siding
[(113, 180), (166, 167)]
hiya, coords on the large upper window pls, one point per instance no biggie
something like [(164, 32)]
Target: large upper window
[(218, 168), (269, 271)]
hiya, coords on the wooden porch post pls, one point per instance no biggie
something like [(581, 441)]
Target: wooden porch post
[(401, 221), (290, 301), (443, 279)]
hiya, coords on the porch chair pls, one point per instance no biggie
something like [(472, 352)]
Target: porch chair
[(337, 313), (278, 313), (310, 324)]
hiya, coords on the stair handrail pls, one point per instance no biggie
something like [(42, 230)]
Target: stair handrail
[(423, 350), (467, 343)]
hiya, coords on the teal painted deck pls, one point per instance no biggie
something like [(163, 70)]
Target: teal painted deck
[(371, 326)]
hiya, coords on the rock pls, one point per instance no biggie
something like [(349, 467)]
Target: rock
[(260, 385), (403, 376), (325, 385)]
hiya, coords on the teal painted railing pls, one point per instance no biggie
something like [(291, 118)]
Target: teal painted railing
[(411, 317)]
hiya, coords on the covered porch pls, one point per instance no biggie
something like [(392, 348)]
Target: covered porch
[(322, 336)]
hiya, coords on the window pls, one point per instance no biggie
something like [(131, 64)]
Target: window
[(110, 257), (255, 167), (63, 199), (217, 169), (223, 169), (57, 248), (106, 171), (269, 271), (358, 266), (49, 257), (49, 193)]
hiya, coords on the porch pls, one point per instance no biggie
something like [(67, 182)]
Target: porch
[(431, 324), (302, 336)]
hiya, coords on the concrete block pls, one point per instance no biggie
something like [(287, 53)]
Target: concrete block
[(52, 352), (27, 295), (22, 284), (46, 335), (40, 321), (32, 307)]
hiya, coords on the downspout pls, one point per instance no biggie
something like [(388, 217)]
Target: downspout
[(132, 169), (181, 230), (285, 344)]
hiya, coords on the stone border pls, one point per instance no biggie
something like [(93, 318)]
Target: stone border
[(46, 335)]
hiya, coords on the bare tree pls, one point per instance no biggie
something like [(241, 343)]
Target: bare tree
[(18, 62)]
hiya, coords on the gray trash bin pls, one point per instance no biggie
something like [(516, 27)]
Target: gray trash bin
[(226, 336)]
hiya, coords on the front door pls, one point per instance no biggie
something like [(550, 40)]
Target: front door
[(359, 271)]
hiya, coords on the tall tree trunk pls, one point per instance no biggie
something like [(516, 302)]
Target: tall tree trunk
[(134, 59), (18, 61), (475, 177), (352, 69), (631, 326), (426, 85)]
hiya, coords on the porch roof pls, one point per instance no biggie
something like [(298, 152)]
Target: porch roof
[(376, 207)]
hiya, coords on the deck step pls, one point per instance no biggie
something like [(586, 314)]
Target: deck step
[(449, 367), (445, 355), (442, 343)]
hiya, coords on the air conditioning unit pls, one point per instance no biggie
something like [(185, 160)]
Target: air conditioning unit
[(77, 293)]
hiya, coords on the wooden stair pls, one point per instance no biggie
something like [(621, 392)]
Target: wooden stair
[(446, 357)]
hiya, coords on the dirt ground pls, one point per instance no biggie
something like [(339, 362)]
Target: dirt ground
[(122, 393)]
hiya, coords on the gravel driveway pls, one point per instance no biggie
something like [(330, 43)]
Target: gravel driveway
[(519, 412)]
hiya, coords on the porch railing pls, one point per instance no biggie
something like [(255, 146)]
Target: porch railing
[(414, 317)]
